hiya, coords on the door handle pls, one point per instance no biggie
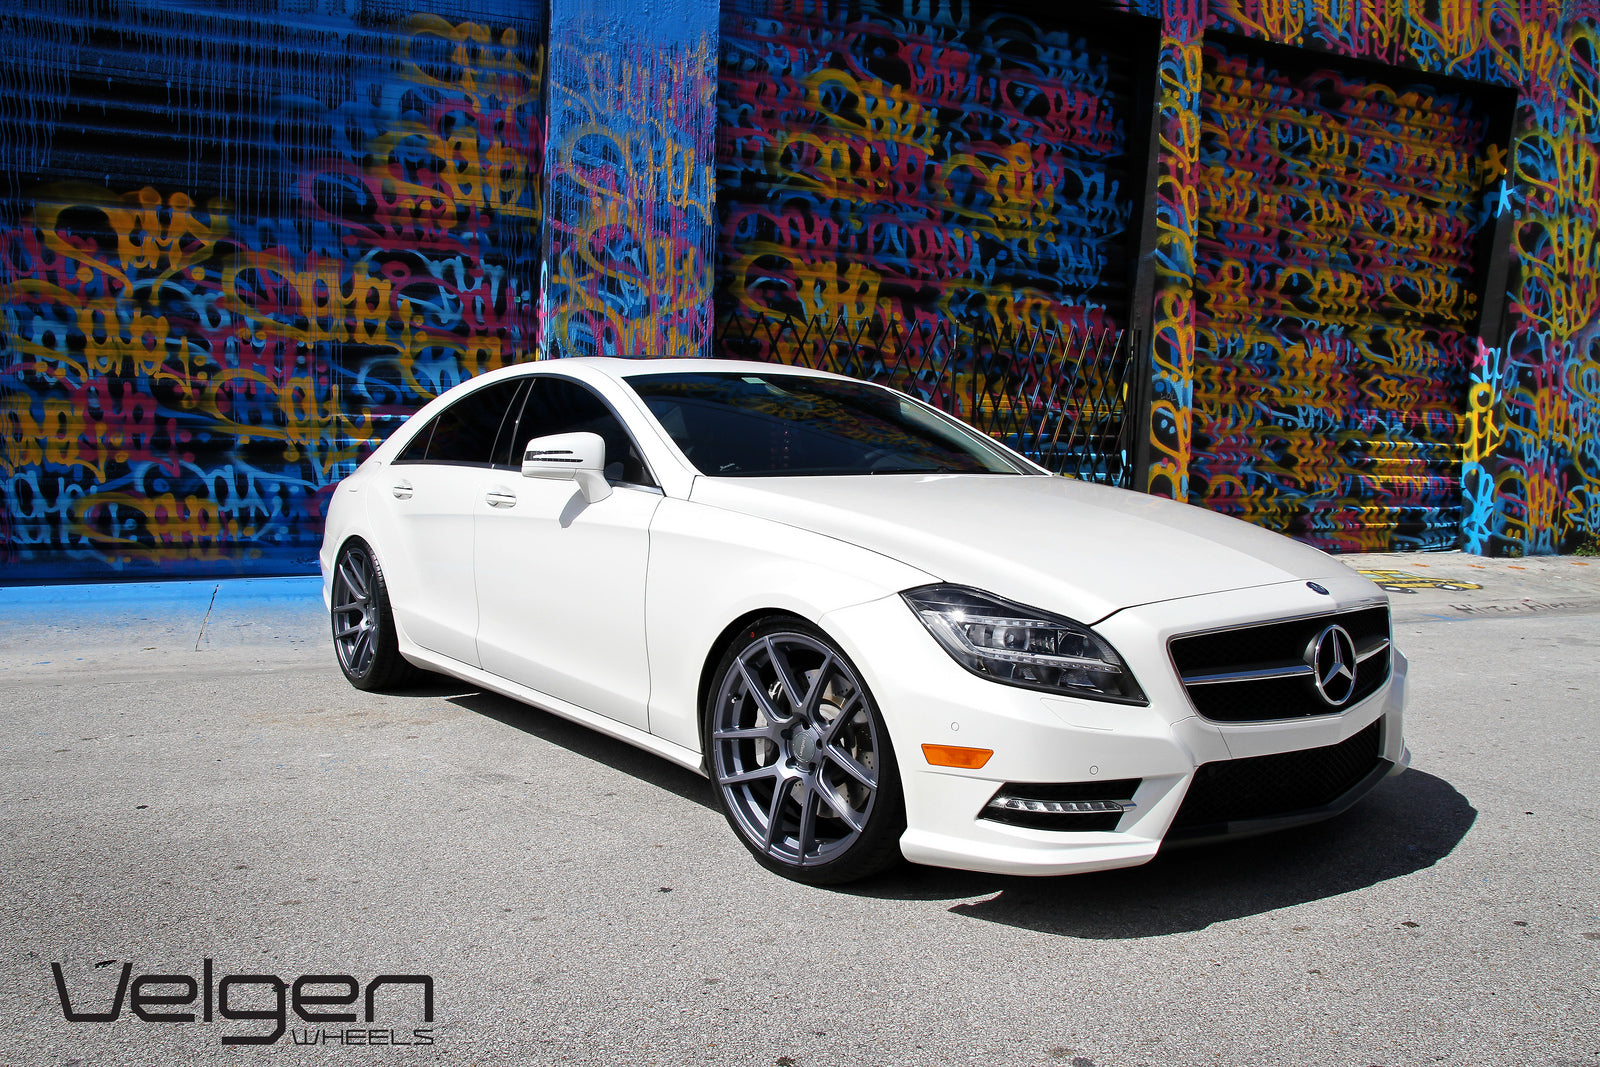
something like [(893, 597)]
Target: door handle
[(501, 498), (402, 490)]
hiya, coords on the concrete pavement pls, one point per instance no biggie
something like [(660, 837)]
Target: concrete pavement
[(184, 776)]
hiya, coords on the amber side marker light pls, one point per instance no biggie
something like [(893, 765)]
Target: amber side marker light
[(968, 759)]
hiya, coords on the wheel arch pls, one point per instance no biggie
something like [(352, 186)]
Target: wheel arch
[(718, 649)]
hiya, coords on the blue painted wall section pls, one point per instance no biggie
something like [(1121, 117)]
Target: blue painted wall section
[(630, 228)]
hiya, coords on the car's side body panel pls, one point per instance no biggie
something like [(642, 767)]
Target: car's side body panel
[(426, 513), (682, 756)]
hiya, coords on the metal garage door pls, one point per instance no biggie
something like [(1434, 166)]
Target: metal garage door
[(1339, 265), (236, 244)]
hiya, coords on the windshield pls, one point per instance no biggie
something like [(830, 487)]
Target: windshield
[(739, 424)]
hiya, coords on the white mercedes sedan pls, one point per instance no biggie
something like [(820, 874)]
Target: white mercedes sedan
[(877, 631)]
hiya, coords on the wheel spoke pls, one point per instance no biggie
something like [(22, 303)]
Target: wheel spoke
[(768, 731), (849, 710), (818, 689), (779, 793), (361, 651), (757, 690), (355, 579), (856, 820), (851, 766), (807, 837), (769, 771), (348, 631), (780, 664)]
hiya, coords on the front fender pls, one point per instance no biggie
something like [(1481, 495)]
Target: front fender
[(709, 567)]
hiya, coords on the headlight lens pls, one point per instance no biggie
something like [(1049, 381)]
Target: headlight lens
[(1019, 645)]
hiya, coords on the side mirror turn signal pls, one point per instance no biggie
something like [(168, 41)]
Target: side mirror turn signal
[(579, 457)]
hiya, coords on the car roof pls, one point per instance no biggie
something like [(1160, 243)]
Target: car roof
[(616, 367)]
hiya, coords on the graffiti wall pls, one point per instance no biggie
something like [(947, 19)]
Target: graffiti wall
[(880, 160), (231, 264), (239, 243), (1338, 282), (1525, 406), (631, 216)]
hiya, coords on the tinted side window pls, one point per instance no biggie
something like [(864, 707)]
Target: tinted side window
[(465, 431), (559, 405), (417, 450)]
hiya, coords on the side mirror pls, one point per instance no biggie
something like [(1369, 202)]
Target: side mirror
[(567, 457)]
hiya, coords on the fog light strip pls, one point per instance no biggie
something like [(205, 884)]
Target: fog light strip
[(1060, 807)]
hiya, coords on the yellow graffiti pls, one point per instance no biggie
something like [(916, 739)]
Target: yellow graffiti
[(1485, 427)]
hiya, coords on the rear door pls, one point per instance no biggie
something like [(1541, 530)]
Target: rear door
[(425, 504)]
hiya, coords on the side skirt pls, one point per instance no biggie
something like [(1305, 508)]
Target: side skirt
[(683, 757)]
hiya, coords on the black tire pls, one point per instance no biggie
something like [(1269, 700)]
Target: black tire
[(364, 640), (800, 757)]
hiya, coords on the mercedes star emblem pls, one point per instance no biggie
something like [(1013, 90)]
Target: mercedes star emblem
[(1332, 656)]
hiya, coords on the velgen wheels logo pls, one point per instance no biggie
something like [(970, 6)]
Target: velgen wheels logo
[(267, 1005)]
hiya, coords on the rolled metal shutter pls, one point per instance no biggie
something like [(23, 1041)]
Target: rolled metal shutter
[(237, 245), (1338, 291)]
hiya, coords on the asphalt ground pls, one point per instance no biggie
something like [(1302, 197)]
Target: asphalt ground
[(188, 778)]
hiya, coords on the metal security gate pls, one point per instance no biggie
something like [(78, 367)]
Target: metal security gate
[(237, 243), (885, 160), (1339, 278)]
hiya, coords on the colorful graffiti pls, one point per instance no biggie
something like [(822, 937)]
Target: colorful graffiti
[(1338, 282), (1177, 221), (920, 164), (230, 267), (1527, 418), (185, 379), (630, 225)]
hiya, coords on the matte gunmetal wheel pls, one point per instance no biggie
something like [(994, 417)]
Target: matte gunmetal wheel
[(802, 761), (363, 625)]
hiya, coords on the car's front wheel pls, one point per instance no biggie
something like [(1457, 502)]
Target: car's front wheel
[(363, 623), (800, 756)]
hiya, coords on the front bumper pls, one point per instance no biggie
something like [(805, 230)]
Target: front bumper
[(927, 698)]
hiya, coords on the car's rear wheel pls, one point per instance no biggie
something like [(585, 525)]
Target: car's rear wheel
[(363, 623), (800, 756)]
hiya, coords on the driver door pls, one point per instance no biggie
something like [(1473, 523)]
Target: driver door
[(560, 581)]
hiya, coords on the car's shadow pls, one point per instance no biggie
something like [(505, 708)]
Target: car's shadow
[(1407, 824)]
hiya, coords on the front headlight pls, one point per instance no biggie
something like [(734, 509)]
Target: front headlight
[(1024, 646)]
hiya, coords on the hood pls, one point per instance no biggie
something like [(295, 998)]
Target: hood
[(1073, 547)]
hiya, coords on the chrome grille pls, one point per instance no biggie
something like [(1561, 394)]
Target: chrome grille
[(1264, 671)]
